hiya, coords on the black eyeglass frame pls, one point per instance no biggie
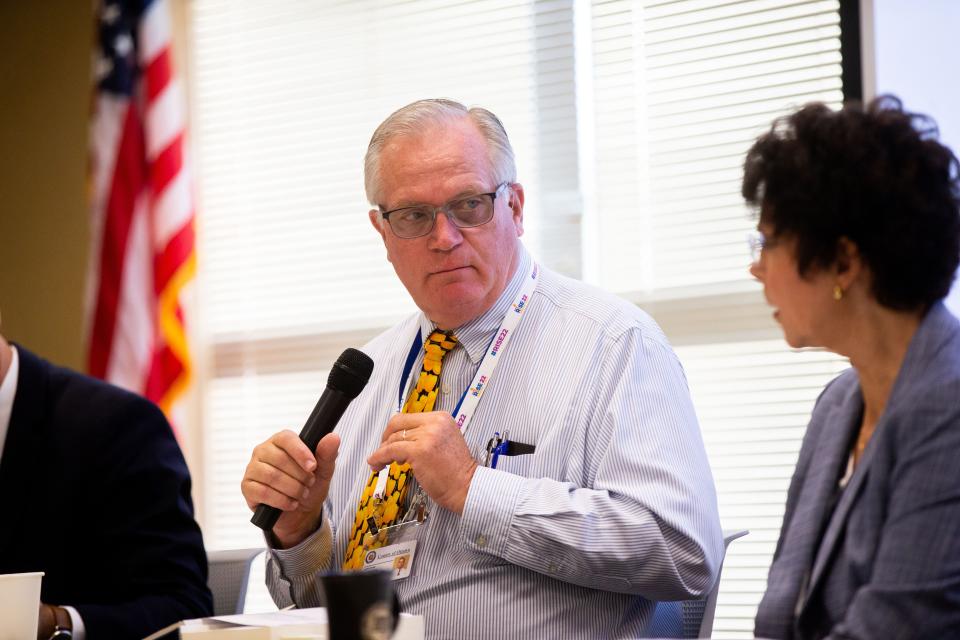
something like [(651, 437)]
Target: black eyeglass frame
[(444, 208)]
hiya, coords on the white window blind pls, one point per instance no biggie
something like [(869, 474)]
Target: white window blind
[(630, 120), (753, 400), (287, 95), (681, 89)]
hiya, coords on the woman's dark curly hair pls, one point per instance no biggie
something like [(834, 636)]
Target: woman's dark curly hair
[(877, 176)]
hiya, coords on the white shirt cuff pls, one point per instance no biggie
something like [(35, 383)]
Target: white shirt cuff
[(488, 511), (79, 631)]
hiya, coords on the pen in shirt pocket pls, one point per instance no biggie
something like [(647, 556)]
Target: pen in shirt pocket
[(503, 446)]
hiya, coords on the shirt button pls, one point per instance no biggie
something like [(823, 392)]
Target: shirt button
[(446, 389), (481, 541), (552, 567)]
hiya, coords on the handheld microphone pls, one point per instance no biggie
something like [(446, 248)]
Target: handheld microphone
[(347, 379)]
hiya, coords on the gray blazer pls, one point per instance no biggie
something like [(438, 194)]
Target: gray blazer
[(885, 562)]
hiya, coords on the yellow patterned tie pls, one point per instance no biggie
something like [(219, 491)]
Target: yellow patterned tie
[(386, 512)]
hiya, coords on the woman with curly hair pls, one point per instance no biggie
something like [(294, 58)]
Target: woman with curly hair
[(858, 242)]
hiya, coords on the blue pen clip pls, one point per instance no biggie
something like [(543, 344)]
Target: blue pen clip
[(500, 448)]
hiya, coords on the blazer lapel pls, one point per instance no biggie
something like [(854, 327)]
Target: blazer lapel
[(791, 568), (840, 513), (831, 459)]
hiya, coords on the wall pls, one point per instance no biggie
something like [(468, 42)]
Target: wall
[(44, 81), (917, 57)]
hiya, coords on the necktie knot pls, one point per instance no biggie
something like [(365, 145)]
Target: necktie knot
[(439, 344)]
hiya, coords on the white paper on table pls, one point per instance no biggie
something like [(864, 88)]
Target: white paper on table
[(315, 615), (279, 625)]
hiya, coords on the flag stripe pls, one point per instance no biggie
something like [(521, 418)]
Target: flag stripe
[(128, 179), (106, 131), (167, 165), (174, 209), (134, 333), (164, 119), (175, 255), (159, 73), (165, 369)]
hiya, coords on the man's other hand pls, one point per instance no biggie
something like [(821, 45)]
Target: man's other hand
[(435, 449)]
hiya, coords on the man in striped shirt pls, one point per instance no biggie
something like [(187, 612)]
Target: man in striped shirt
[(612, 508)]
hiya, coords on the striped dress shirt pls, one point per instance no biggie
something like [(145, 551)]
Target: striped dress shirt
[(614, 510)]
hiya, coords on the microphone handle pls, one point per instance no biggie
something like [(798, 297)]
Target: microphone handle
[(322, 420)]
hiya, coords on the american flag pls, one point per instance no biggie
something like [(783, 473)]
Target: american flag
[(141, 206)]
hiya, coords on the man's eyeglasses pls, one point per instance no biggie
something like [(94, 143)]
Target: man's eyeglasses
[(419, 220)]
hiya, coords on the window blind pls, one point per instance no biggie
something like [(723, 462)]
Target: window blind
[(681, 90), (287, 95), (753, 401)]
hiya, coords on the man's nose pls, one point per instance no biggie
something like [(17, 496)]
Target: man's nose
[(445, 234), (756, 271)]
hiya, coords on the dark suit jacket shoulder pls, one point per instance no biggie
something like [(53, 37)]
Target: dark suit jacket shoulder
[(99, 495), (881, 558)]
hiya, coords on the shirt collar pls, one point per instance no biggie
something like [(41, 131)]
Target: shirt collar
[(475, 335), (8, 391)]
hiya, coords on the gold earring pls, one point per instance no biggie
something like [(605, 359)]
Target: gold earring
[(837, 292)]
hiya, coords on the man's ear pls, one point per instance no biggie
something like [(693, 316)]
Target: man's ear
[(378, 223), (515, 202)]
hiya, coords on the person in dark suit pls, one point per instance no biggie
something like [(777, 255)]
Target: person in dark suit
[(859, 242), (96, 494)]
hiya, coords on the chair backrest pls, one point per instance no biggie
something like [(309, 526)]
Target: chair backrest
[(690, 618), (228, 574)]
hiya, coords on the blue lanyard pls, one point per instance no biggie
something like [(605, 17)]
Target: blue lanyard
[(408, 367)]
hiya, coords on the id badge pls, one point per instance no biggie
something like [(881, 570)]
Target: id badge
[(395, 558), (394, 547), (394, 550)]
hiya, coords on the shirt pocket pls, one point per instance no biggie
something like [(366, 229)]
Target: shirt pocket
[(517, 465)]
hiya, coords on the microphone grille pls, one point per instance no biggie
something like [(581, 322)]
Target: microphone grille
[(350, 373)]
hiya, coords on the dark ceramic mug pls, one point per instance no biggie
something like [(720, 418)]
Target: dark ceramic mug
[(361, 605)]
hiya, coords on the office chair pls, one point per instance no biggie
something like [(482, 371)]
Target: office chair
[(690, 618), (229, 572)]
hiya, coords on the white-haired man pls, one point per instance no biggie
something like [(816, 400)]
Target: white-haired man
[(559, 485)]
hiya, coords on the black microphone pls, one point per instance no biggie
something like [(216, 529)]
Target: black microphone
[(347, 379)]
